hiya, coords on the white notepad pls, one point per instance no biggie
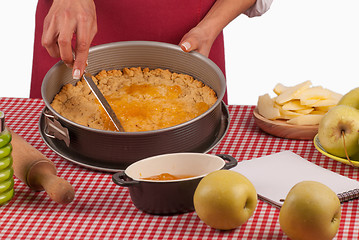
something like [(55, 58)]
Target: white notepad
[(274, 175)]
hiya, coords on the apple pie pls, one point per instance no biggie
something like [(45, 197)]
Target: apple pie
[(142, 99)]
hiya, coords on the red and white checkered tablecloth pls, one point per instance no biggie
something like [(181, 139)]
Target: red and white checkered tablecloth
[(103, 210)]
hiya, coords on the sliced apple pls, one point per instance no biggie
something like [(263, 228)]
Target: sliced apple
[(266, 107), (288, 114), (295, 102), (318, 112), (311, 96), (293, 105), (309, 119), (305, 111), (292, 92), (324, 103), (279, 88)]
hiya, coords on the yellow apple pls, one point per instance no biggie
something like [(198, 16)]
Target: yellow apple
[(338, 131), (225, 199), (351, 98), (311, 211)]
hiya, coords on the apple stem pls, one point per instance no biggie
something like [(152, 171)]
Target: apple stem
[(345, 149)]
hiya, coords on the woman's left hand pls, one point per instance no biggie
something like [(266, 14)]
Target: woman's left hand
[(197, 40), (201, 37)]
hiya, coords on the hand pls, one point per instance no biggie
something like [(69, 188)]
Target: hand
[(197, 40), (201, 37), (66, 18)]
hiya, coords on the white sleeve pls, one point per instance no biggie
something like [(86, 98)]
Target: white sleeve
[(259, 8)]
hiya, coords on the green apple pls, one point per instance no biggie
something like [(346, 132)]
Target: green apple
[(311, 211), (225, 199), (338, 126), (351, 98)]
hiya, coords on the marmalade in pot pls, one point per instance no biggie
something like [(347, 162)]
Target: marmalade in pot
[(167, 176)]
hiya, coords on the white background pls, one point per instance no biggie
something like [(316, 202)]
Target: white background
[(293, 42)]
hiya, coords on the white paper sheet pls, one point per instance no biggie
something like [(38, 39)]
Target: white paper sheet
[(274, 175)]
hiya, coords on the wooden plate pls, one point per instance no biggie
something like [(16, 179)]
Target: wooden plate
[(280, 128)]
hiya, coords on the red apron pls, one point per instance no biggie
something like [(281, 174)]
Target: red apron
[(130, 20)]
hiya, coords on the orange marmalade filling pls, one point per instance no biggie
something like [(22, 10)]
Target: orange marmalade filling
[(167, 176), (145, 107)]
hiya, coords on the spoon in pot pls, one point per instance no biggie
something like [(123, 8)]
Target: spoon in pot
[(88, 78)]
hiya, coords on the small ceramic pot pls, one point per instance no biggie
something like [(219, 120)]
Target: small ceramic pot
[(168, 197)]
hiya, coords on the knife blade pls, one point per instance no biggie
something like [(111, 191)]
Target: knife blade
[(88, 78)]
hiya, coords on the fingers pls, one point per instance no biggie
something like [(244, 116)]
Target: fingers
[(186, 46), (57, 34), (49, 37), (194, 44), (86, 31), (66, 18), (64, 44), (189, 42), (80, 63), (196, 40)]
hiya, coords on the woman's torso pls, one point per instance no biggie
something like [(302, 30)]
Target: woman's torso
[(129, 20)]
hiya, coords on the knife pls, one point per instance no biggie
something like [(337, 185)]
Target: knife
[(88, 78)]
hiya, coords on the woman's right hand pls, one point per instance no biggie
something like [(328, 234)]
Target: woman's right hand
[(64, 19)]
